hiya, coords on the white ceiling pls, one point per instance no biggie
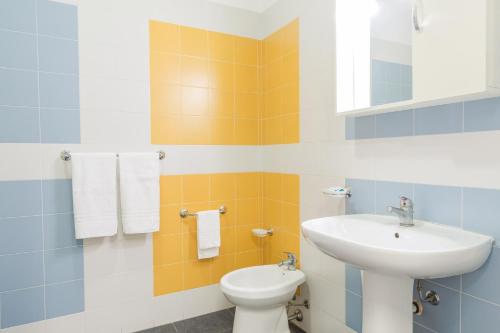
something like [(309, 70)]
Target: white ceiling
[(258, 6)]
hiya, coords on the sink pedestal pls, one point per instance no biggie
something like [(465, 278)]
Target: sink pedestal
[(387, 303)]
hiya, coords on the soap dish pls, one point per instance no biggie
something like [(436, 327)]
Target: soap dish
[(261, 233), (338, 191)]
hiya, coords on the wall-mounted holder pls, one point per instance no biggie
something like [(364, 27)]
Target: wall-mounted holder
[(185, 213), (66, 155), (261, 233), (338, 191)]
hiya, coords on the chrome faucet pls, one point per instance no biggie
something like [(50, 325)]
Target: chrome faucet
[(290, 263), (404, 212)]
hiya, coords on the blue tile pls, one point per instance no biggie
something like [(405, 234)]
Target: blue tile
[(21, 234), (451, 282), (21, 271), (59, 231), (478, 214), (360, 127), (57, 196), (353, 280), (64, 299), (21, 307), (19, 125), (482, 115), (60, 126), (379, 71), (58, 55), (420, 329), (478, 316), (439, 119), (406, 92), (379, 93), (444, 318), (388, 193), (363, 196), (483, 283), (406, 75), (19, 15), (57, 19), (18, 50), (59, 91), (394, 92), (438, 204), (394, 73), (18, 88), (64, 265), (354, 311), (20, 198), (394, 124)]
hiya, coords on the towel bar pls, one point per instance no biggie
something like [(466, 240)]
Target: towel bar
[(66, 155), (185, 213)]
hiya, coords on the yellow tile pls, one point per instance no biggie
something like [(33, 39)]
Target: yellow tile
[(246, 78), (222, 187), (197, 273), (291, 219), (164, 37), (273, 183), (272, 72), (189, 222), (221, 46), (245, 240), (223, 131), (247, 51), (247, 131), (165, 67), (248, 259), (273, 213), (165, 98), (247, 105), (221, 266), (194, 41), (168, 279), (170, 190), (289, 70), (273, 106), (290, 98), (291, 188), (165, 129), (167, 249), (248, 185), (228, 240), (196, 188), (291, 243), (290, 37), (222, 76), (291, 130), (196, 130), (273, 130), (194, 101), (190, 247), (272, 48), (248, 211), (221, 103), (170, 221), (194, 72), (228, 218)]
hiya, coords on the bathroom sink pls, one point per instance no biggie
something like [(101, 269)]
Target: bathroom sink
[(391, 256)]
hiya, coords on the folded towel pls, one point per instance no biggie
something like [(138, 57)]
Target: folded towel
[(140, 192), (208, 223), (94, 194)]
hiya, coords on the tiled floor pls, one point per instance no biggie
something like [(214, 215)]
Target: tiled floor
[(216, 322)]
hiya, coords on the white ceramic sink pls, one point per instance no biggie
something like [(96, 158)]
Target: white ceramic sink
[(391, 256)]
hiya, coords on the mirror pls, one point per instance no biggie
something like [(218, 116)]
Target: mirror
[(374, 52)]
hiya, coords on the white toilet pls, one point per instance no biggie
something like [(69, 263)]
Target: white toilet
[(261, 294)]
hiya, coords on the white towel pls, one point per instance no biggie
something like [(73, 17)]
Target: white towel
[(94, 194), (140, 192), (208, 223)]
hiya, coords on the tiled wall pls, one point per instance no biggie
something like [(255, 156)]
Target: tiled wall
[(390, 82), (280, 118), (469, 303), (176, 266), (41, 263), (473, 116), (205, 86), (281, 198), (221, 89), (39, 88)]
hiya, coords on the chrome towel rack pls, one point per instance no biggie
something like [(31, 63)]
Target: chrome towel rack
[(185, 213), (66, 155)]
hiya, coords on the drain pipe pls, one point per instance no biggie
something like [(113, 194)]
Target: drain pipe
[(297, 315)]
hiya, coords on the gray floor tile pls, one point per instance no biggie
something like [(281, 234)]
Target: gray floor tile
[(216, 322), (161, 329)]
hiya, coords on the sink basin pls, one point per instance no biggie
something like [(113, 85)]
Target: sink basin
[(391, 256)]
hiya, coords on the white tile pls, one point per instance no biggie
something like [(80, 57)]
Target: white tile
[(73, 323), (100, 257), (38, 327), (196, 302), (328, 297), (168, 308), (20, 161), (137, 315), (103, 320)]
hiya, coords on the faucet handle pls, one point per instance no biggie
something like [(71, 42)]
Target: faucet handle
[(405, 202), (291, 255)]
